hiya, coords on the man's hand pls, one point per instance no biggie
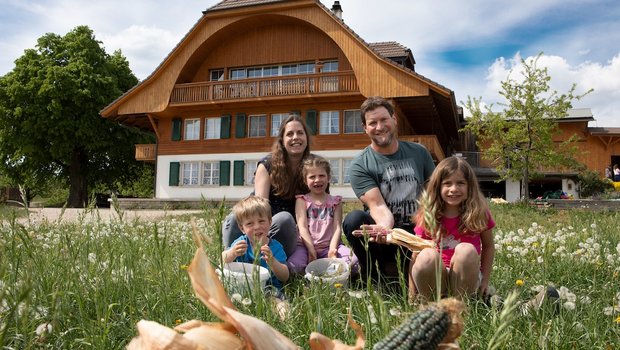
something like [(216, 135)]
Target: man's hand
[(375, 233)]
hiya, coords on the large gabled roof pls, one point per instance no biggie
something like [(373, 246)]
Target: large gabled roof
[(230, 4)]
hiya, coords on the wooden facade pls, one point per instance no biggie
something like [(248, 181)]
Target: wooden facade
[(255, 61)]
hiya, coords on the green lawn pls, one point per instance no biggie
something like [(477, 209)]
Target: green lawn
[(93, 281)]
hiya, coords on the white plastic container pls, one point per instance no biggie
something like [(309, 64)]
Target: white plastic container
[(330, 271), (240, 277)]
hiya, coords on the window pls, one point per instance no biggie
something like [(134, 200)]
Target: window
[(213, 127), (271, 71), (276, 121), (255, 72), (306, 68), (250, 170), (190, 174), (216, 74), (353, 122), (334, 164), (192, 129), (331, 66), (346, 167), (211, 173), (258, 124), (289, 69), (237, 74), (329, 123)]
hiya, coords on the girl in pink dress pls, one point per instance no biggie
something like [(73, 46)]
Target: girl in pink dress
[(319, 219), (463, 233)]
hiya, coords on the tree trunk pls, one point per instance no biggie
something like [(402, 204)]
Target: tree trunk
[(78, 185), (525, 183)]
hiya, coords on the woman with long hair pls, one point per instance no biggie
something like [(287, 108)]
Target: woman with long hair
[(278, 178)]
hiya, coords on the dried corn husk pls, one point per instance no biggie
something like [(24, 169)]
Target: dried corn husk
[(154, 336), (408, 240), (320, 342)]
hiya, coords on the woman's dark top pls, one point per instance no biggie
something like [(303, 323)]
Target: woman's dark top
[(278, 203)]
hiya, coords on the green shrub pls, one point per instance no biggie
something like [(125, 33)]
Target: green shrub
[(592, 184)]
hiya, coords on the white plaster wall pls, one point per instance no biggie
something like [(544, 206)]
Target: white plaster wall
[(513, 190), (570, 188), (164, 191)]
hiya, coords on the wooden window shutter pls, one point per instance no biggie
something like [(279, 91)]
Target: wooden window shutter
[(311, 121), (174, 174), (225, 173), (239, 173), (176, 129), (225, 127), (240, 126)]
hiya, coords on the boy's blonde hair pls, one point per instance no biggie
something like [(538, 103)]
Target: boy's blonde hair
[(251, 206)]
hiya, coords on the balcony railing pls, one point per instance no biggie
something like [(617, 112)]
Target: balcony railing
[(145, 152), (430, 142), (293, 85)]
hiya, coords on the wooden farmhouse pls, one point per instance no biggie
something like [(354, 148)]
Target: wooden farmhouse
[(217, 100)]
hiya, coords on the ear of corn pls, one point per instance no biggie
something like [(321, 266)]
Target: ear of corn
[(423, 330)]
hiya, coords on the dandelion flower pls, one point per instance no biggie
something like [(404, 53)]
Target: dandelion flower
[(617, 319), (236, 297), (356, 294), (338, 285), (519, 282), (178, 321), (608, 311), (44, 328), (184, 267), (246, 301), (540, 260)]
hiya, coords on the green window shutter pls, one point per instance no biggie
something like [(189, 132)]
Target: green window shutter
[(174, 174), (225, 127), (225, 173), (311, 121), (239, 173), (240, 125), (176, 129)]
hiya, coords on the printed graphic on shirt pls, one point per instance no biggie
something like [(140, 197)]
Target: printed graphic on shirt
[(320, 213), (399, 188)]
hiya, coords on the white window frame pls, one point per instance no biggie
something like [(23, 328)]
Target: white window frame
[(234, 72), (190, 173), (352, 119), (257, 126), (210, 174), (191, 129), (276, 120), (346, 168), (213, 128), (250, 171), (329, 123)]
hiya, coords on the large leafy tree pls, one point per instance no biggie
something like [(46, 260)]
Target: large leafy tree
[(520, 139), (49, 116)]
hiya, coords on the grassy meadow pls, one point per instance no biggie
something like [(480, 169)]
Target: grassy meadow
[(85, 284)]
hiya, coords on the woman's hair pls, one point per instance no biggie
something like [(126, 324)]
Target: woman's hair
[(286, 181), (473, 211), (251, 206)]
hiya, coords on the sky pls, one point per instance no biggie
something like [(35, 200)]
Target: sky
[(468, 46)]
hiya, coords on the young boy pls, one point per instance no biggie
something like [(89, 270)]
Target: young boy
[(253, 214)]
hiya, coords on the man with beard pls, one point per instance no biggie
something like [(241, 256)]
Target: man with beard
[(387, 177)]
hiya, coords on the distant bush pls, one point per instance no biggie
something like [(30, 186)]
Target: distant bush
[(592, 184)]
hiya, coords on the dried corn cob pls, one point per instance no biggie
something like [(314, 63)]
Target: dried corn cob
[(423, 330), (428, 328)]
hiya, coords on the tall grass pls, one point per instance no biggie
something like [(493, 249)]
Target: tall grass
[(91, 281)]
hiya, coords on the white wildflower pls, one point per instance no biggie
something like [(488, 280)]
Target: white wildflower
[(92, 257), (569, 305), (246, 301), (593, 226), (395, 311), (356, 294), (44, 328), (540, 260), (236, 297), (585, 300), (608, 311), (371, 314)]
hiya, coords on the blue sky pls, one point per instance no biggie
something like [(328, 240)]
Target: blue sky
[(467, 46)]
